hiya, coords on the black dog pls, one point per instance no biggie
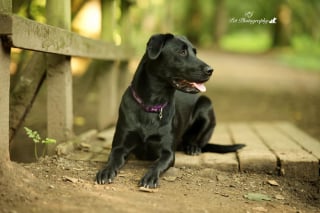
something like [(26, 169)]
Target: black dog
[(155, 119)]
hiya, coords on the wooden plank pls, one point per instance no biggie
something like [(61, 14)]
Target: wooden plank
[(294, 161), (50, 39), (224, 162), (4, 101), (304, 140), (255, 156), (184, 160)]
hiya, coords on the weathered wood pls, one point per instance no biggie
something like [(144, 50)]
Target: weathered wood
[(59, 98), (294, 161), (59, 79), (108, 72), (304, 140), (125, 24), (124, 78), (225, 162), (255, 156), (5, 6), (5, 24), (50, 39), (257, 137), (25, 90), (108, 94), (69, 146), (183, 160), (4, 100)]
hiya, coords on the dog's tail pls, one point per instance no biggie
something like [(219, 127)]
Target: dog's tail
[(222, 148)]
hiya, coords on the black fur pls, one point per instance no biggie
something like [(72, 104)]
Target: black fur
[(158, 115)]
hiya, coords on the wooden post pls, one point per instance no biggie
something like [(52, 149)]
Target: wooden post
[(108, 75), (6, 7), (4, 99), (59, 78), (125, 77)]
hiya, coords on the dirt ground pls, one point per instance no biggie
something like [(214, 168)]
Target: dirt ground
[(243, 88), (60, 185)]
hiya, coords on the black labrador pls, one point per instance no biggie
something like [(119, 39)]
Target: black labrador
[(155, 118)]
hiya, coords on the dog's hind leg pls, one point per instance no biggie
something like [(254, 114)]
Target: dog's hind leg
[(201, 128)]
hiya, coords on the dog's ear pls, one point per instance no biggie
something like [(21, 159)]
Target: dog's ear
[(156, 43)]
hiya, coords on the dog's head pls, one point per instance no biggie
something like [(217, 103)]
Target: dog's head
[(176, 61)]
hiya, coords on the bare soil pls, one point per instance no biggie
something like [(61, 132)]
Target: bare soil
[(243, 88), (60, 185)]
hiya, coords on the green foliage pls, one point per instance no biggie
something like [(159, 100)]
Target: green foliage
[(34, 9), (246, 42), (304, 54), (35, 136)]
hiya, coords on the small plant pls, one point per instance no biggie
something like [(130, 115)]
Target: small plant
[(35, 136)]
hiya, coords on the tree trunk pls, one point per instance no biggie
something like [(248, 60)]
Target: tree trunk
[(282, 27), (220, 21), (192, 21)]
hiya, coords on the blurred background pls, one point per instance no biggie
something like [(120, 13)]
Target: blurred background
[(223, 24), (266, 55)]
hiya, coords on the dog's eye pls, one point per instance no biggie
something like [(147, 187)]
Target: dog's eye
[(183, 52)]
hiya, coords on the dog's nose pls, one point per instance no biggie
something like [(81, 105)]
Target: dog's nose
[(208, 70)]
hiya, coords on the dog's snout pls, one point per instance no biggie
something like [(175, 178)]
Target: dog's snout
[(208, 70)]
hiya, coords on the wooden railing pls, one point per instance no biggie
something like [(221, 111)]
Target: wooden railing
[(58, 44)]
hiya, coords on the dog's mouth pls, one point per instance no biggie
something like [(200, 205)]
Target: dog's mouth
[(189, 87)]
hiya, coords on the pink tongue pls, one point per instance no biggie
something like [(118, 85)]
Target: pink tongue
[(200, 87)]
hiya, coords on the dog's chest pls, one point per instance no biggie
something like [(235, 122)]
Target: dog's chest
[(153, 127)]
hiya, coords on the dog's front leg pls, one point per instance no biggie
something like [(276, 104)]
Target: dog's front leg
[(165, 161), (121, 147), (109, 172)]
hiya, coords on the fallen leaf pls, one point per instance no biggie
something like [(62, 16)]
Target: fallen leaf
[(260, 209), (85, 147), (257, 197), (170, 178), (222, 194), (279, 197), (70, 179), (273, 183), (144, 189)]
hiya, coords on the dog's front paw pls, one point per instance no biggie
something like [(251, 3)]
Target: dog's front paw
[(150, 180), (106, 175), (192, 149)]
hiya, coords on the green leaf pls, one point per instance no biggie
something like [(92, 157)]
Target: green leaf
[(49, 141), (34, 135)]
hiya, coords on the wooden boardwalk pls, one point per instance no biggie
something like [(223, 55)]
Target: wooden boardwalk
[(271, 147)]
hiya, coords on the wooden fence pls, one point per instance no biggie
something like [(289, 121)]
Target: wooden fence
[(58, 44)]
